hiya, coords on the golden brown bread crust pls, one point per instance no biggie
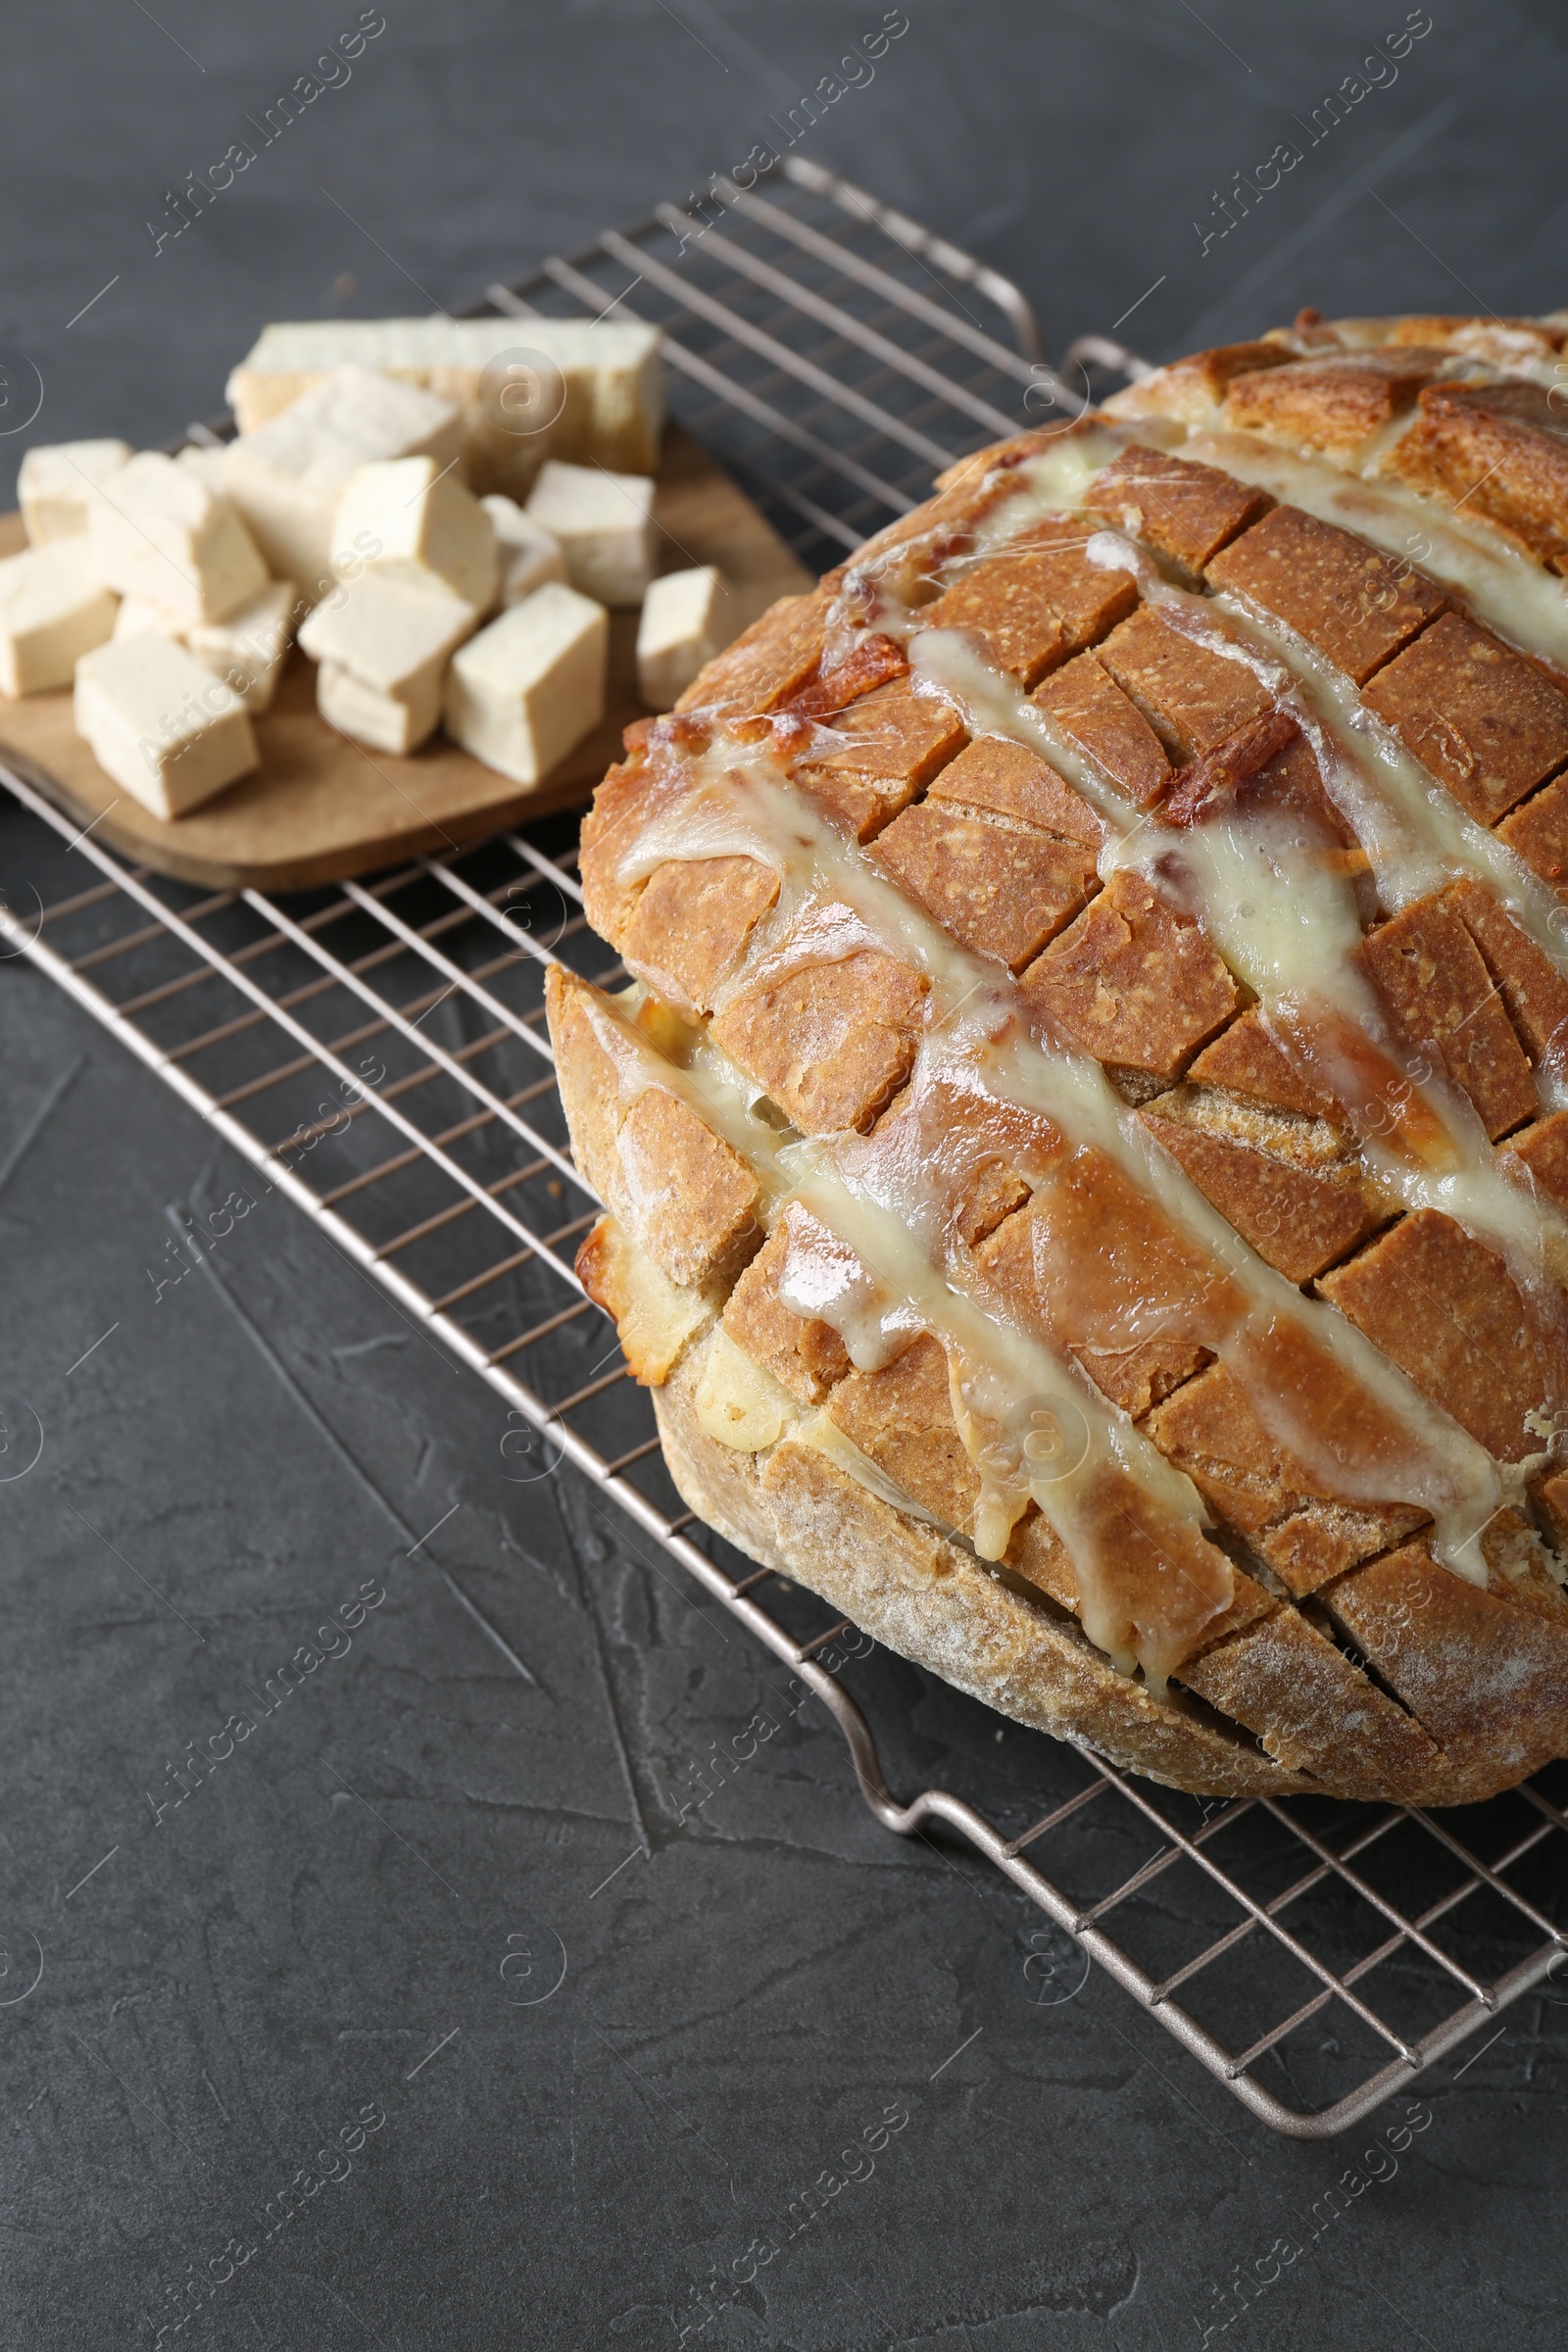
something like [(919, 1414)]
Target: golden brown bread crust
[(929, 1599), (1320, 1723), (1346, 1657)]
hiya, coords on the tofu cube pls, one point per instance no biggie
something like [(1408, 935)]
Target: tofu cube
[(610, 370), (605, 523), (56, 485), (532, 684), (528, 553), (386, 631), (161, 724), (206, 465), (138, 617), (287, 478), (385, 722), (383, 646), (156, 531), (248, 647), (686, 619), (52, 609), (414, 520)]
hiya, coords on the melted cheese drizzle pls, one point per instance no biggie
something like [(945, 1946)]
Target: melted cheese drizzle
[(1289, 928), (734, 801), (1415, 833), (1503, 586), (1001, 1378), (1291, 933)]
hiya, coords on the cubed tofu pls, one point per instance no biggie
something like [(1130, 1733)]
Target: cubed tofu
[(385, 722), (414, 520), (208, 465), (248, 647), (287, 478), (528, 553), (139, 616), (607, 375), (388, 632), (605, 523), (157, 531), (51, 608), (532, 684), (686, 619), (161, 724), (55, 484)]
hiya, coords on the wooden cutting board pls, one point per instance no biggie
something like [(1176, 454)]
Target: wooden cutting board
[(319, 807)]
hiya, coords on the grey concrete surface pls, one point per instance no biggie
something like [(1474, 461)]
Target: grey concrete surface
[(322, 1942)]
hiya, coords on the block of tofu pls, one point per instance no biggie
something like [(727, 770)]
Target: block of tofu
[(528, 555), (158, 532), (385, 722), (55, 484), (286, 478), (139, 616), (605, 523), (532, 684), (686, 619), (247, 647), (208, 465), (388, 632), (423, 526), (50, 609), (602, 387), (161, 724)]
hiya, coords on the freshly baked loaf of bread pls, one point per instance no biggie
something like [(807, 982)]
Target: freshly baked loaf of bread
[(1085, 1141)]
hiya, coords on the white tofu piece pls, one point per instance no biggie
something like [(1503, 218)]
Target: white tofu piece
[(156, 531), (609, 379), (248, 647), (139, 616), (52, 609), (55, 484), (385, 722), (605, 523), (161, 724), (532, 684), (528, 553), (414, 520), (206, 465), (388, 632), (287, 478), (687, 617)]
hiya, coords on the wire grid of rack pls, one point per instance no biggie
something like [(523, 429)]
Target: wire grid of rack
[(377, 1052)]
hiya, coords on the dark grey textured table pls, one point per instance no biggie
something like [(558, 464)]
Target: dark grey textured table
[(355, 1931)]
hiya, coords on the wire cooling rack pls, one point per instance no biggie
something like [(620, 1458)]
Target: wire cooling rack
[(377, 1053)]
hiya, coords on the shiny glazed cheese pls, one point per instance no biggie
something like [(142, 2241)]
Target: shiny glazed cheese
[(1286, 925)]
